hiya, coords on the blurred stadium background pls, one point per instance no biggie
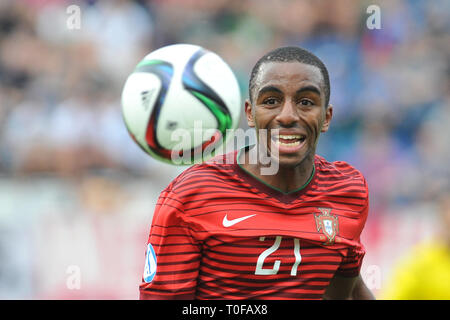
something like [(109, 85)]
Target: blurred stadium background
[(77, 195)]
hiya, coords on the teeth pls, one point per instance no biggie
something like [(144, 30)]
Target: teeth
[(298, 139), (291, 144), (288, 137)]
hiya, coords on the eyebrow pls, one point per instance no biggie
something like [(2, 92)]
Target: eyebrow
[(269, 89), (309, 88)]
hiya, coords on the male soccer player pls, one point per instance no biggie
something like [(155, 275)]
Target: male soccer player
[(225, 230)]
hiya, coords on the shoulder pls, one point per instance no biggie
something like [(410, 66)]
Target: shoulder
[(203, 174), (338, 170), (341, 176)]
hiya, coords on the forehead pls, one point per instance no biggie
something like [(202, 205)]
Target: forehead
[(293, 74)]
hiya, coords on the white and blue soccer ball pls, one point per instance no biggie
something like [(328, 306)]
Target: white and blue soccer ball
[(181, 103)]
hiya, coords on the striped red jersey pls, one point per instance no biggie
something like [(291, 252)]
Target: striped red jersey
[(218, 232)]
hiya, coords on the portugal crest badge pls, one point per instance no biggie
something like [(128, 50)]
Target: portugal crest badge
[(328, 223)]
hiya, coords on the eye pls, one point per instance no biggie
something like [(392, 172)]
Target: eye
[(270, 101), (306, 102)]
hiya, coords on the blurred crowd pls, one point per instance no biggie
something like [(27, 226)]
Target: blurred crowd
[(60, 85)]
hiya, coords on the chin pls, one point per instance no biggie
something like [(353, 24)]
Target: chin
[(293, 158), (289, 161)]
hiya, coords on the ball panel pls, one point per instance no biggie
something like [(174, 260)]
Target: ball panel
[(164, 71), (139, 95), (203, 92), (211, 100), (222, 81), (177, 55), (182, 111)]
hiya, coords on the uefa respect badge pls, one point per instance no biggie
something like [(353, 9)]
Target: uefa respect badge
[(150, 264)]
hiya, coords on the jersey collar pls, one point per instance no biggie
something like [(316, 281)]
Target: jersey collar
[(272, 191)]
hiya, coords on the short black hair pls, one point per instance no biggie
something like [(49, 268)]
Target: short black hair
[(289, 54)]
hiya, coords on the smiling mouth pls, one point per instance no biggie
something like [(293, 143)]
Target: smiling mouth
[(290, 141)]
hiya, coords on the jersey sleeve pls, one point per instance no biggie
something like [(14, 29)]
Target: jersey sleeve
[(173, 255), (352, 262)]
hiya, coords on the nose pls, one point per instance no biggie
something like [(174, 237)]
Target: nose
[(288, 115)]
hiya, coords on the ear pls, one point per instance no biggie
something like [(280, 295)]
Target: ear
[(249, 113), (327, 120)]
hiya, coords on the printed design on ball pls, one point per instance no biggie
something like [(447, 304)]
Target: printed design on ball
[(164, 71), (207, 96)]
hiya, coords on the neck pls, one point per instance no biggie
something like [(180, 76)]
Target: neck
[(286, 178)]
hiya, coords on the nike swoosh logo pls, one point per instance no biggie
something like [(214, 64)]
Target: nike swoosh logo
[(228, 223)]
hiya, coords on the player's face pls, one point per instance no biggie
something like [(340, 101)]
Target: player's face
[(289, 96)]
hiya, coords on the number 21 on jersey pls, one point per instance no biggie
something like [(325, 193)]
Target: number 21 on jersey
[(276, 266)]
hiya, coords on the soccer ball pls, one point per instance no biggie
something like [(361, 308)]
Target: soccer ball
[(181, 103)]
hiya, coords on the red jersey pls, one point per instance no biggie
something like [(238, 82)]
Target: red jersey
[(218, 232)]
